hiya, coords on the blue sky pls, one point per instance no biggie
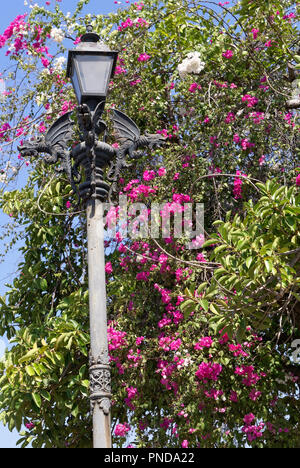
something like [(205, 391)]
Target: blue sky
[(9, 267)]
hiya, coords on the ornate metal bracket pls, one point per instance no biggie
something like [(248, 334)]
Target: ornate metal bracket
[(84, 164)]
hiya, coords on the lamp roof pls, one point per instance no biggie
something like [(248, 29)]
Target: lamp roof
[(90, 43)]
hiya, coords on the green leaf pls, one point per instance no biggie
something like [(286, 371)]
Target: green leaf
[(215, 309), (210, 242), (204, 303), (30, 371), (37, 399), (46, 395)]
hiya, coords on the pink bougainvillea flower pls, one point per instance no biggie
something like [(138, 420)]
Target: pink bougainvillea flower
[(255, 32), (205, 342), (228, 54), (162, 171), (249, 418), (45, 62), (254, 394), (238, 182), (143, 276), (148, 175), (251, 100), (30, 426), (262, 159), (122, 429), (298, 180), (42, 128), (143, 57), (233, 397), (108, 268), (193, 88), (230, 117), (207, 371)]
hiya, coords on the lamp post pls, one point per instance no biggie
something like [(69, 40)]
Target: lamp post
[(91, 66)]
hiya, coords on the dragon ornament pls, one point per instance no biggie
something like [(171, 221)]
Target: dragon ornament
[(91, 154)]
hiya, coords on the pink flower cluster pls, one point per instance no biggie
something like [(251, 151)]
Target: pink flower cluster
[(144, 57), (207, 371), (169, 344), (165, 133), (143, 276), (193, 88), (224, 85), (5, 127), (135, 358), (257, 117), (253, 432), (254, 394), (181, 198), (237, 188), (244, 142), (250, 377), (108, 268), (119, 70), (251, 100), (17, 25), (116, 338), (149, 175), (30, 426), (122, 429), (166, 370), (237, 350), (230, 117), (289, 16), (66, 107), (228, 54), (128, 23), (139, 190), (205, 342), (131, 394)]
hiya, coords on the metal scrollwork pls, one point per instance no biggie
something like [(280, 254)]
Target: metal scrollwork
[(85, 163), (100, 382)]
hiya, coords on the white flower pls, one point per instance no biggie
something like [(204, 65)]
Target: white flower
[(3, 178), (59, 63), (71, 27), (45, 72), (191, 64), (57, 34), (41, 99)]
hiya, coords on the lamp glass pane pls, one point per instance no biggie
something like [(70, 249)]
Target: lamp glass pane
[(76, 85), (94, 73)]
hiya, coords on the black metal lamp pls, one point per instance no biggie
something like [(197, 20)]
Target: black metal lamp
[(91, 66)]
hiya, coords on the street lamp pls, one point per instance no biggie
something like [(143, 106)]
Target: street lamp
[(91, 67)]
